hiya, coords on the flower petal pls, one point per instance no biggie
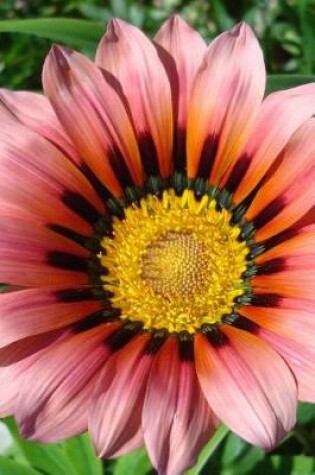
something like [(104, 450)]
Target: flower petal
[(301, 360), (177, 421), (98, 125), (33, 311), (297, 159), (33, 255), (131, 58), (35, 111), (116, 406), (248, 385), (286, 111), (225, 100), (187, 49), (14, 360), (51, 188), (287, 320), (56, 389)]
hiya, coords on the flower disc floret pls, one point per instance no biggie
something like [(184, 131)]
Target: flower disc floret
[(174, 263)]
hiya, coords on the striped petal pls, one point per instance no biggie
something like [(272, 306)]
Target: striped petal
[(177, 421), (98, 125), (35, 311), (31, 255), (14, 360), (116, 406), (286, 111), (35, 111), (49, 185), (300, 359), (225, 100), (187, 49), (131, 58), (248, 385), (56, 389)]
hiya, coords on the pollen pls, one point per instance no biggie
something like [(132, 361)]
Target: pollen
[(174, 262)]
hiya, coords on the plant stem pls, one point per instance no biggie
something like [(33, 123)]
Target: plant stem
[(209, 449)]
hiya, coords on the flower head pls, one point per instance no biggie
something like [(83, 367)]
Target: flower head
[(159, 215)]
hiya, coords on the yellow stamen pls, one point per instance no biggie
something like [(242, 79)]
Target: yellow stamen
[(174, 263)]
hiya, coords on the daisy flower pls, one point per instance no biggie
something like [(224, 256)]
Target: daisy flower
[(158, 214)]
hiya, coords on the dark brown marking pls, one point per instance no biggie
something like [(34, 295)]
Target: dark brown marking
[(80, 205), (67, 261), (237, 173), (266, 300), (149, 155), (74, 295), (269, 212), (207, 157), (272, 266)]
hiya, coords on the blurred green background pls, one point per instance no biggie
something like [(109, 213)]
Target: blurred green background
[(285, 28)]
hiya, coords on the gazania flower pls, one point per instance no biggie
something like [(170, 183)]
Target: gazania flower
[(158, 214)]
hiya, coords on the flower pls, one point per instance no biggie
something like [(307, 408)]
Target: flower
[(159, 216)]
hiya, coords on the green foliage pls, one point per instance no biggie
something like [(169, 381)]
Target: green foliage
[(285, 28)]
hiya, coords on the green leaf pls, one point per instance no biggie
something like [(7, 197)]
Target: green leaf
[(135, 462), (294, 465), (80, 451), (306, 413), (276, 82), (46, 458), (77, 33), (10, 467)]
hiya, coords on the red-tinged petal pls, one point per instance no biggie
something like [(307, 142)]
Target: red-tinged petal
[(98, 125), (131, 58), (49, 185), (225, 100), (286, 111), (177, 421), (302, 242), (31, 255), (14, 360), (30, 312), (297, 324), (288, 283), (116, 406), (56, 389), (35, 111), (300, 359), (248, 385), (187, 48), (297, 159), (286, 210)]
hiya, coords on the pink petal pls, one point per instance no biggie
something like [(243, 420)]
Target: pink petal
[(177, 421), (131, 58), (98, 125), (297, 159), (33, 255), (225, 100), (293, 323), (14, 360), (288, 283), (56, 389), (248, 385), (35, 111), (116, 406), (286, 111), (295, 202), (303, 242), (35, 176), (30, 312), (187, 48), (301, 360)]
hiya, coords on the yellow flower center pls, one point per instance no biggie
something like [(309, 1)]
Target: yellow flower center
[(174, 263)]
